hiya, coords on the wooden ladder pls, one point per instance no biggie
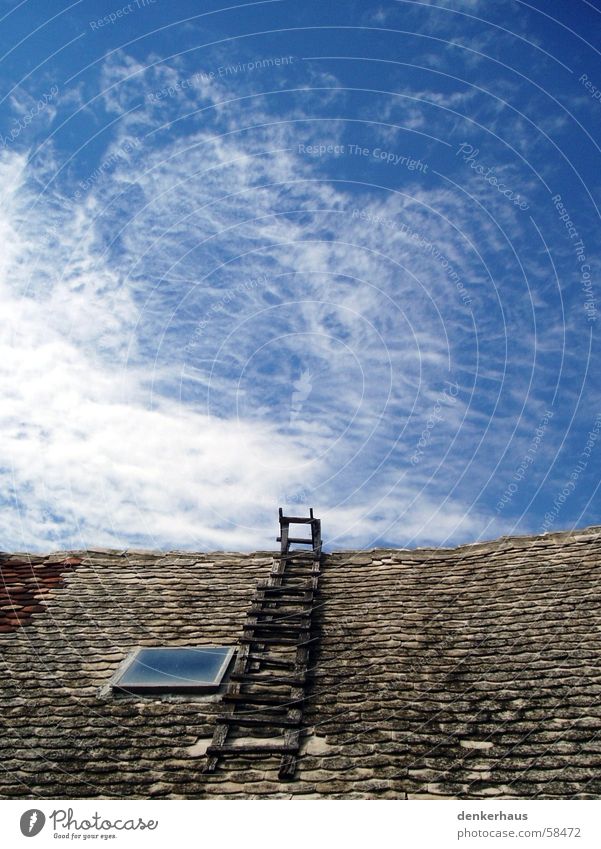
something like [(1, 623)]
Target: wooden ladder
[(266, 690)]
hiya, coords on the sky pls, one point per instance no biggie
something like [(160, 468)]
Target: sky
[(339, 255)]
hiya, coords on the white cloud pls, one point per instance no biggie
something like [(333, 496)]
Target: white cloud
[(158, 330)]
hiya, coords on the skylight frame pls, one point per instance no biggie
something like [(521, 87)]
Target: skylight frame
[(117, 684)]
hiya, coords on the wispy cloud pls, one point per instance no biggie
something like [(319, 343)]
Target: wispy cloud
[(203, 319)]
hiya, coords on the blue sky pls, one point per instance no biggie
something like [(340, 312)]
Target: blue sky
[(340, 255)]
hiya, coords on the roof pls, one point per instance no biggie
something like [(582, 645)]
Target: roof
[(471, 672)]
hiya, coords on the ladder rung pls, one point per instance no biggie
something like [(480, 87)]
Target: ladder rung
[(283, 617), (297, 520), (277, 641), (249, 749), (249, 678), (296, 558), (260, 721), (280, 607), (271, 641), (297, 540), (306, 590), (288, 617), (277, 627), (262, 699), (299, 563), (271, 662), (268, 712), (301, 556), (306, 573), (289, 601)]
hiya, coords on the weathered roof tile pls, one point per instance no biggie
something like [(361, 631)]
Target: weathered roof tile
[(471, 672)]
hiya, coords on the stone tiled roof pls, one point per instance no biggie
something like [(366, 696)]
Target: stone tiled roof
[(457, 673), (25, 581)]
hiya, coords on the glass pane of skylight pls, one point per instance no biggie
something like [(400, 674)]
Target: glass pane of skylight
[(176, 668)]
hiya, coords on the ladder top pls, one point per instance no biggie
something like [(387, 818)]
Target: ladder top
[(297, 520)]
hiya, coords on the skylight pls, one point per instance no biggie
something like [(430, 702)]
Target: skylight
[(164, 670)]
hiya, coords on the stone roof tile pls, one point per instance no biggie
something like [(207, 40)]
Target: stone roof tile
[(471, 672)]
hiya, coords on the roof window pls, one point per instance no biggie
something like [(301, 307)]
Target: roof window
[(173, 670)]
